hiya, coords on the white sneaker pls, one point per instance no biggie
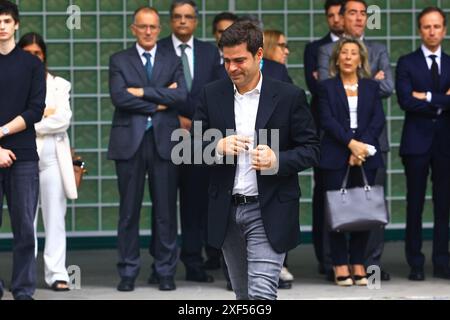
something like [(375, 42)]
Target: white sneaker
[(285, 275)]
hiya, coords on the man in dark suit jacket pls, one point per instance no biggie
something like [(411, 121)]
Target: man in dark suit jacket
[(336, 27), (354, 14), (146, 84), (254, 204), (422, 84), (200, 67)]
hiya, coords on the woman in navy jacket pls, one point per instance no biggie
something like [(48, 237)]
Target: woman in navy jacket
[(352, 118)]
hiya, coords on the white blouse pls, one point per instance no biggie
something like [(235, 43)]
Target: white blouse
[(353, 108)]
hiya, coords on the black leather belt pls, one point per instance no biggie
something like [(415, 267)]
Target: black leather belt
[(240, 199)]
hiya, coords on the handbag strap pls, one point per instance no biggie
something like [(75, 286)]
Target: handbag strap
[(344, 183)]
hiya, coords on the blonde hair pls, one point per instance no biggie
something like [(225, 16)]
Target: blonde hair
[(363, 70), (271, 38)]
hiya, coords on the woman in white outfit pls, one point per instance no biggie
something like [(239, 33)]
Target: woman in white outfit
[(57, 180)]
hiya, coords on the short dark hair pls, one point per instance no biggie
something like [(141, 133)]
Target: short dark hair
[(222, 16), (33, 38), (428, 10), (345, 2), (7, 7), (242, 32), (144, 8), (177, 3), (331, 3)]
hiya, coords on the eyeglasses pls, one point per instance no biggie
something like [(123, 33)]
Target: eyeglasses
[(179, 17), (144, 27), (283, 45)]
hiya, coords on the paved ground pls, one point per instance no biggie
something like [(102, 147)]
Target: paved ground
[(98, 280)]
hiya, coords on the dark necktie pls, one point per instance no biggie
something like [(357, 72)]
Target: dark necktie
[(434, 73), (186, 69), (148, 65), (148, 68)]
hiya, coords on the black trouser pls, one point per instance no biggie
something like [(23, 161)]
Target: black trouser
[(20, 184), (194, 182), (375, 245), (416, 169), (318, 219), (162, 175)]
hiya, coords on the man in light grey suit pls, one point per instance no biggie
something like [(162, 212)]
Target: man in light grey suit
[(354, 13), (146, 83)]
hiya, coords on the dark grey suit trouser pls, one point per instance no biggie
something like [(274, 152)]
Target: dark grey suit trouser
[(20, 184), (162, 176)]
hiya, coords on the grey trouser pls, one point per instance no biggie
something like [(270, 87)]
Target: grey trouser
[(253, 265)]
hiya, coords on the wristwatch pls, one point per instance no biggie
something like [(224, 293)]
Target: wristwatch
[(5, 131)]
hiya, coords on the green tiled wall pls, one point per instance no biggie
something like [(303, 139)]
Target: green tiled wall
[(81, 56)]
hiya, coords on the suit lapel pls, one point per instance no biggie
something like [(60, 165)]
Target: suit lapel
[(136, 62), (422, 67), (227, 106), (158, 64), (361, 97), (341, 93), (265, 107), (197, 64), (445, 69)]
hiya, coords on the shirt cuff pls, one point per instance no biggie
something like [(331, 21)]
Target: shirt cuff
[(429, 96)]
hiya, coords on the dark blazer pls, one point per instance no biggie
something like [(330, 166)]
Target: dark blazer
[(421, 127), (130, 115), (282, 106), (335, 122), (275, 70), (206, 65), (310, 61)]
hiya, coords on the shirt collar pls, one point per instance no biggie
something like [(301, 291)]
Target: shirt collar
[(142, 50), (256, 90), (360, 38), (334, 37), (177, 42), (427, 52)]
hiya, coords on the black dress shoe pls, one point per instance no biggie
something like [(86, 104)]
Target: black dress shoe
[(229, 286), (384, 276), (23, 297), (166, 283), (154, 279), (198, 275), (284, 284), (416, 274), (441, 272), (126, 284), (212, 264)]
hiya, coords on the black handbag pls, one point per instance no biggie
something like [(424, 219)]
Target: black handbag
[(356, 209)]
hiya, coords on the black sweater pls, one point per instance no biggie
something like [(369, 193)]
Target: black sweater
[(22, 92)]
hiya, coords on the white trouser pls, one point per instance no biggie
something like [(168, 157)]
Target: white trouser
[(53, 206)]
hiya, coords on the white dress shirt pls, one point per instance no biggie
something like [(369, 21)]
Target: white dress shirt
[(141, 52), (189, 51), (245, 111), (334, 37)]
